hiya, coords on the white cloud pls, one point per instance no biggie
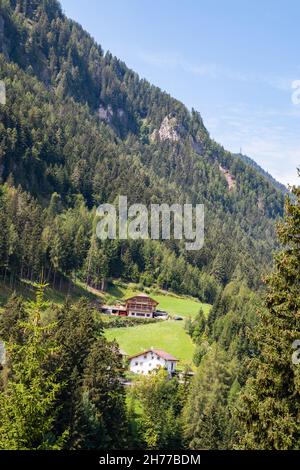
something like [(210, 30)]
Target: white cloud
[(268, 135), (213, 71), (270, 142)]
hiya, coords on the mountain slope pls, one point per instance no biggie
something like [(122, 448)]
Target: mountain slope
[(78, 122), (264, 173)]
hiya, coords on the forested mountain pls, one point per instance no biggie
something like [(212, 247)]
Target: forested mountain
[(78, 122), (78, 129), (260, 170)]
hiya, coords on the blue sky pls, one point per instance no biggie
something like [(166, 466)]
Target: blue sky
[(232, 60)]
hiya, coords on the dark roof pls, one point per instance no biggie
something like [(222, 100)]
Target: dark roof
[(158, 352)]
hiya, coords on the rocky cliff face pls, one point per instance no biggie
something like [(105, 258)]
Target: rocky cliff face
[(105, 114), (229, 178), (169, 130)]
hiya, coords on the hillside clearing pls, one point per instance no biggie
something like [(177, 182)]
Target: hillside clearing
[(167, 335), (183, 306)]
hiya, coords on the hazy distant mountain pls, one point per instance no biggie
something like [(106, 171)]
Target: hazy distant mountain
[(267, 175)]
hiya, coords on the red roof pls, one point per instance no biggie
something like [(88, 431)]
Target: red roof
[(158, 352)]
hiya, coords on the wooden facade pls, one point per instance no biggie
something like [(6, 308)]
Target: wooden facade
[(141, 306)]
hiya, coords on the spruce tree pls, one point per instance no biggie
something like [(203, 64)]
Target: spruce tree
[(270, 405), (12, 320), (75, 333), (28, 400), (104, 397), (207, 415), (161, 402)]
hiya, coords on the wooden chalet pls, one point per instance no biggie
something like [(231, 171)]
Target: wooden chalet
[(141, 306)]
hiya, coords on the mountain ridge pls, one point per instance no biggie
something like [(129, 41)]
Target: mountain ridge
[(79, 122), (107, 111), (250, 161)]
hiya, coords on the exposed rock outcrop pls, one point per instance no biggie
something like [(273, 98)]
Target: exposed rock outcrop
[(169, 130), (229, 178), (2, 354), (106, 114), (120, 113), (261, 204)]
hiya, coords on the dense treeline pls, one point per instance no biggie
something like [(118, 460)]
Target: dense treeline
[(224, 345), (54, 140), (61, 386), (246, 392), (53, 243), (44, 160), (78, 129), (270, 403)]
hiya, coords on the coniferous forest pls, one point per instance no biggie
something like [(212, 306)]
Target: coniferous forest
[(78, 129)]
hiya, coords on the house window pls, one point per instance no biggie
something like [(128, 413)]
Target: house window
[(136, 363), (145, 357)]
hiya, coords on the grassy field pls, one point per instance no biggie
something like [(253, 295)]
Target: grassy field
[(57, 296), (175, 305), (167, 335), (182, 306)]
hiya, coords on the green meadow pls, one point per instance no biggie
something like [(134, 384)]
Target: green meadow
[(167, 335), (182, 306), (175, 305)]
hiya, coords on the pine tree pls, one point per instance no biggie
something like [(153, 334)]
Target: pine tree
[(28, 401), (207, 416), (270, 405), (160, 400), (12, 320), (104, 397)]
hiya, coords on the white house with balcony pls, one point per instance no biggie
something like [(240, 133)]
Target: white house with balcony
[(152, 359)]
